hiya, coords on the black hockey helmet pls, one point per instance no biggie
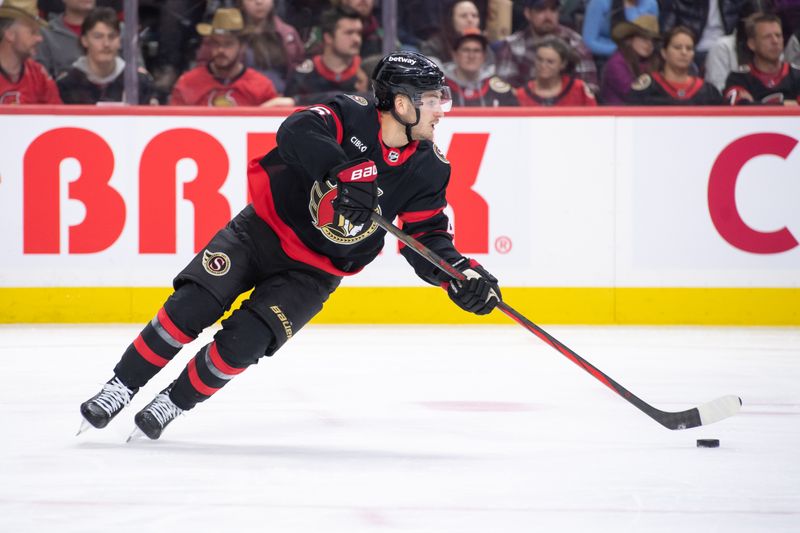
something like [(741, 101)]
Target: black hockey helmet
[(409, 73)]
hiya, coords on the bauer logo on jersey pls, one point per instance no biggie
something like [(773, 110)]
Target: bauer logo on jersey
[(335, 228), (216, 263)]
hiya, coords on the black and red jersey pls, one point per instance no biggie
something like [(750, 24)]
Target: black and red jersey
[(489, 92), (312, 81), (293, 193), (748, 85), (654, 89), (574, 92)]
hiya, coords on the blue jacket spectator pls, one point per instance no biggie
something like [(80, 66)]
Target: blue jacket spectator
[(597, 22)]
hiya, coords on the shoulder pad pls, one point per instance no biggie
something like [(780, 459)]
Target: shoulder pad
[(642, 82), (499, 85), (360, 100), (439, 154), (305, 67)]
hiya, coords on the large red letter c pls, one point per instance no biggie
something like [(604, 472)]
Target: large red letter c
[(722, 193)]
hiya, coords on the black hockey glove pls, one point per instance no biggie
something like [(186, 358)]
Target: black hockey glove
[(357, 194), (479, 293)]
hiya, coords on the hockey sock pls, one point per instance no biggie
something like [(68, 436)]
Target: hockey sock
[(204, 375), (156, 345)]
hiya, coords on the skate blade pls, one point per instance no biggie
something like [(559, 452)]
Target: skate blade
[(85, 426), (136, 435)]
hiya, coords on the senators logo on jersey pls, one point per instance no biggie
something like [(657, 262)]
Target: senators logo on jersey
[(216, 263), (334, 227)]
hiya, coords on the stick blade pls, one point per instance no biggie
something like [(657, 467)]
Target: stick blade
[(719, 409)]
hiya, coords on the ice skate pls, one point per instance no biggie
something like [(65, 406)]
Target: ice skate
[(152, 420), (98, 410)]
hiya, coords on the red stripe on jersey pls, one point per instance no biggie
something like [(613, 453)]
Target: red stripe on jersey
[(221, 365), (417, 236), (768, 80), (167, 323), (147, 354), (336, 77), (418, 216), (264, 204), (689, 88), (196, 382), (323, 111)]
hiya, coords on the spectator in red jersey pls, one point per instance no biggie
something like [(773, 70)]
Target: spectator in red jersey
[(635, 56), (471, 80), (555, 83), (61, 46), (674, 84), (337, 69), (224, 81), (272, 47), (23, 80), (768, 79), (98, 75), (515, 55)]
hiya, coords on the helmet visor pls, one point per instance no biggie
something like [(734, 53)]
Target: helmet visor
[(435, 100)]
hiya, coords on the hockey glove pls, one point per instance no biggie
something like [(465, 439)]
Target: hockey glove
[(357, 195), (479, 293)]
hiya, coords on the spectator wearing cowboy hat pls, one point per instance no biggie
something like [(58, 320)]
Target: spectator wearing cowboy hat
[(23, 80), (224, 81), (635, 56), (471, 78)]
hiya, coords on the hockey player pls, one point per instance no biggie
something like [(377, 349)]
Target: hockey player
[(308, 226)]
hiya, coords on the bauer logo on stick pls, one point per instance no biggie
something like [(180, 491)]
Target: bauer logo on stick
[(216, 263)]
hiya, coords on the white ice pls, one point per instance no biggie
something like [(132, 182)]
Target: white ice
[(411, 429)]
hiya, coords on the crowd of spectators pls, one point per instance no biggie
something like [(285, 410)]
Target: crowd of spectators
[(493, 52)]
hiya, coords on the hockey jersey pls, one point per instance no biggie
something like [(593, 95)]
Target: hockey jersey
[(574, 92), (654, 89), (293, 193), (749, 85), (200, 87), (312, 81), (35, 86), (488, 92)]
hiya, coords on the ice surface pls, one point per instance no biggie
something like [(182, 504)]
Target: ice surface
[(411, 429)]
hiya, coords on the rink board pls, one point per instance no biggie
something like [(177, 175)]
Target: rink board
[(607, 216)]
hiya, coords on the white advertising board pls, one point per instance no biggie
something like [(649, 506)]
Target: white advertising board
[(572, 200)]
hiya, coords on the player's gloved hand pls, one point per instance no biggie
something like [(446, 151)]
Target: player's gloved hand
[(357, 194), (479, 293)]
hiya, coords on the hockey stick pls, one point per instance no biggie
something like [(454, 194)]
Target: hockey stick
[(705, 414)]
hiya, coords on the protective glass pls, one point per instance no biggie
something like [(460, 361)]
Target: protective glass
[(439, 100)]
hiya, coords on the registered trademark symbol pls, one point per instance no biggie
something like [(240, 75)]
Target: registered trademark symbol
[(502, 245)]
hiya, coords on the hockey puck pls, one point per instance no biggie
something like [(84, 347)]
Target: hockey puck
[(708, 443)]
